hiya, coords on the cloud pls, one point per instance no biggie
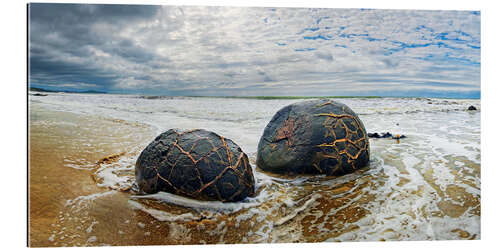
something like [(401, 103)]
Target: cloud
[(232, 50)]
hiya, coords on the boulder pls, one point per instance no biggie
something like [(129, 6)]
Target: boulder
[(198, 164), (314, 137)]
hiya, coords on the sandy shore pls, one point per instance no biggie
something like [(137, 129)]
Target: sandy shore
[(81, 169), (67, 208), (62, 156)]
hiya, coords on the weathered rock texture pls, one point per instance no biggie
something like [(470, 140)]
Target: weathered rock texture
[(199, 164), (314, 137)]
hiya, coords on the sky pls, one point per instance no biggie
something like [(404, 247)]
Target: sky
[(242, 51)]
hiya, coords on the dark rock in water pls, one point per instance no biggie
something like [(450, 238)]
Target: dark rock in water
[(386, 135), (154, 97), (383, 135), (472, 108), (38, 94), (398, 136), (199, 164), (377, 135), (314, 137)]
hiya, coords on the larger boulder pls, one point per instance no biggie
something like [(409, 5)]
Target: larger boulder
[(198, 164), (314, 137)]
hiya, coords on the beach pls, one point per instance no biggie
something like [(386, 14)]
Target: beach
[(83, 148)]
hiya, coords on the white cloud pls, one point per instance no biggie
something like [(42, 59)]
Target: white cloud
[(183, 48)]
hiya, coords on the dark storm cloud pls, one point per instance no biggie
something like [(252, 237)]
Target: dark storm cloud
[(69, 25), (67, 72), (127, 50), (62, 37)]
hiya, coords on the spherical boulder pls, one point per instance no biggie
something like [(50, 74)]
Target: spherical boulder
[(314, 137), (198, 164)]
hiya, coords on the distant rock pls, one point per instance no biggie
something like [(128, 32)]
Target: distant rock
[(40, 89), (377, 135), (87, 92), (471, 108), (386, 135), (154, 97)]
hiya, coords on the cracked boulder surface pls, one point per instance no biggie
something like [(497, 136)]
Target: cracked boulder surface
[(198, 164), (314, 137)]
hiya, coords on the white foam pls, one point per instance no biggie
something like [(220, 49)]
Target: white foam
[(161, 215), (225, 207), (179, 232), (83, 201), (118, 175), (92, 239), (296, 211), (89, 229), (451, 147), (247, 215), (410, 161), (78, 164)]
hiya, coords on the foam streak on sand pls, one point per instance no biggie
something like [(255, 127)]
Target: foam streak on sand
[(162, 215), (217, 206), (116, 174), (81, 201), (298, 210)]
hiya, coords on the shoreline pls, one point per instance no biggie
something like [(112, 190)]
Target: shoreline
[(79, 162), (150, 96)]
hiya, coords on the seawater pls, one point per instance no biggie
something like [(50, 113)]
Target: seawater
[(423, 187)]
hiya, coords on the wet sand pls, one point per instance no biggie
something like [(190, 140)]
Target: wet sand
[(62, 156), (81, 178), (67, 208)]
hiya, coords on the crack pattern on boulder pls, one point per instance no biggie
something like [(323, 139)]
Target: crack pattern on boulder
[(314, 137), (199, 164)]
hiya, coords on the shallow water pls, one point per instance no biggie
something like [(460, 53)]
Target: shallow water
[(423, 187)]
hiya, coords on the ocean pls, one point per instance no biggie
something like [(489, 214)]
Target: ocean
[(83, 148)]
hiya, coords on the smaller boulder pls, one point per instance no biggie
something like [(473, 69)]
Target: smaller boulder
[(471, 108), (199, 164)]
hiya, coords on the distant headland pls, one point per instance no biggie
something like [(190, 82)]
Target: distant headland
[(67, 91)]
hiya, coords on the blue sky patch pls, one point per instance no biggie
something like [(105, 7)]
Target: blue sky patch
[(305, 49)]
